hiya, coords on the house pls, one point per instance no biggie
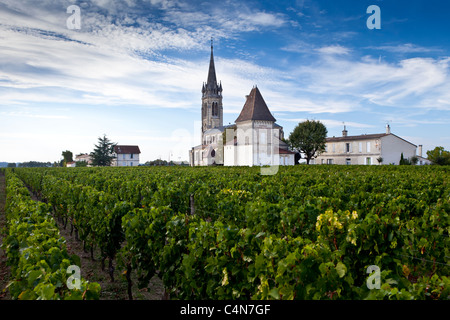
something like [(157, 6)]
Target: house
[(126, 156), (84, 157), (366, 149), (421, 161)]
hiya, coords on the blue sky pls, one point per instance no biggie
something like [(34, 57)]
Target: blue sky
[(135, 69)]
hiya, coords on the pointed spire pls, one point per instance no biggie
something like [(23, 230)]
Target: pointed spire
[(212, 80)]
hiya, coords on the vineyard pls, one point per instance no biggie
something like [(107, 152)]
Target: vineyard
[(308, 232)]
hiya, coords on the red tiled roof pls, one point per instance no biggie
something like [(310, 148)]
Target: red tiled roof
[(255, 108), (127, 150)]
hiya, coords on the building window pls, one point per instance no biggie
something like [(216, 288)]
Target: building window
[(131, 156), (334, 147), (323, 161), (215, 109), (329, 161), (368, 146), (368, 161), (360, 147), (326, 147), (131, 164), (348, 147), (348, 161)]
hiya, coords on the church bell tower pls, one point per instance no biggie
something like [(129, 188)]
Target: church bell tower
[(212, 108)]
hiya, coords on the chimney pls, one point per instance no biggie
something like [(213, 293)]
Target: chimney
[(388, 129), (420, 150), (344, 132)]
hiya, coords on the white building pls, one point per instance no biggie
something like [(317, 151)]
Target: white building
[(256, 139), (126, 156), (84, 157), (367, 149), (421, 161)]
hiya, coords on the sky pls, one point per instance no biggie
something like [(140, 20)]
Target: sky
[(133, 70)]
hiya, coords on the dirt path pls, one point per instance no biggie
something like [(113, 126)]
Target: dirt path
[(90, 269), (4, 269)]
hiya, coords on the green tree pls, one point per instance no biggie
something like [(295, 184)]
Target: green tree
[(439, 156), (102, 155), (67, 157), (82, 163), (309, 137)]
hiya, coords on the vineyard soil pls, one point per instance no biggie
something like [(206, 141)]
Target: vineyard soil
[(4, 270)]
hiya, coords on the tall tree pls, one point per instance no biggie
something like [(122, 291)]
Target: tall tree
[(309, 137), (68, 157), (102, 155)]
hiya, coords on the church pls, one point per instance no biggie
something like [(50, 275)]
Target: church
[(254, 140)]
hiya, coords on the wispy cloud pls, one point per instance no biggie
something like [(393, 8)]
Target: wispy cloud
[(336, 49), (410, 83), (405, 48)]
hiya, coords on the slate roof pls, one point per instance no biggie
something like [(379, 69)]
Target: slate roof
[(255, 108), (365, 137), (127, 150), (360, 137)]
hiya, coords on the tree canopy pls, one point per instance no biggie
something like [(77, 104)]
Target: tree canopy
[(439, 156), (103, 154), (309, 137), (68, 157)]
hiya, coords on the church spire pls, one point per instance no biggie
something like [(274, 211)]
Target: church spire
[(212, 80), (212, 108)]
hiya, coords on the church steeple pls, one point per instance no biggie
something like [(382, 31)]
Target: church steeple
[(212, 109), (212, 80), (211, 85)]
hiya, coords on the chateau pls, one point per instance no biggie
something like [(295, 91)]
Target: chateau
[(254, 140), (368, 149)]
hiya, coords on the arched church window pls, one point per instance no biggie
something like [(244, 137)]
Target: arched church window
[(215, 111)]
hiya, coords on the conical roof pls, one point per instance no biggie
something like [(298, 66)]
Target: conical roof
[(255, 108)]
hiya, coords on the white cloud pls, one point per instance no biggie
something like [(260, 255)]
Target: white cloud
[(336, 49), (404, 48), (410, 83)]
